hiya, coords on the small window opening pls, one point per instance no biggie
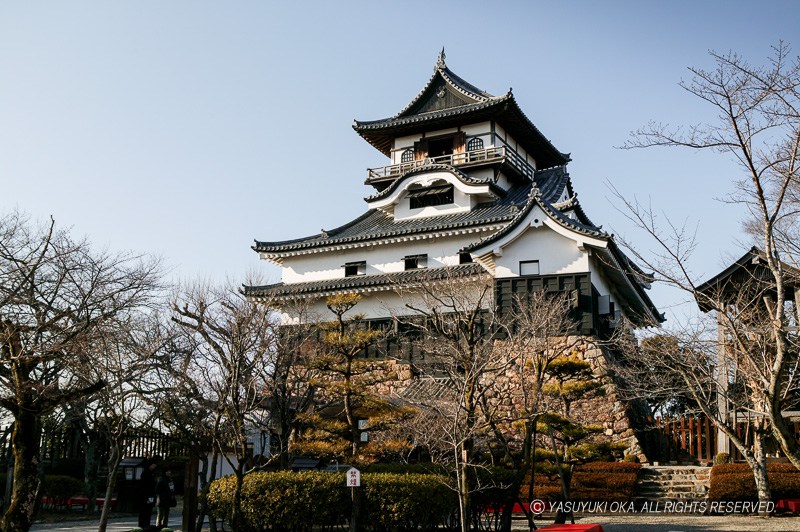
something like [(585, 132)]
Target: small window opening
[(407, 156), (431, 196), (464, 258), (529, 267), (439, 147), (351, 269), (415, 262), (475, 143)]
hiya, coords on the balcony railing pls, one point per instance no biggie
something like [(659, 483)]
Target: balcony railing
[(468, 158)]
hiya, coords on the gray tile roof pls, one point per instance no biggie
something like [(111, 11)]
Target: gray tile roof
[(474, 104), (360, 283), (377, 225), (457, 83)]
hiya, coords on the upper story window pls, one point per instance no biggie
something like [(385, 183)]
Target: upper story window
[(464, 257), (407, 156), (352, 269), (475, 143), (415, 262), (439, 147), (529, 267), (431, 196)]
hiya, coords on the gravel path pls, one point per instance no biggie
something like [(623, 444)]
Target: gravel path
[(685, 523)]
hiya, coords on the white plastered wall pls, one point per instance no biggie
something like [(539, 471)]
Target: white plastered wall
[(556, 254), (380, 258), (388, 303)]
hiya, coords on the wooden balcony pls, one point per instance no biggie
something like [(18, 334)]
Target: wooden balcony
[(469, 158)]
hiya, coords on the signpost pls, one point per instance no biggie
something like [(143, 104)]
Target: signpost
[(353, 480)]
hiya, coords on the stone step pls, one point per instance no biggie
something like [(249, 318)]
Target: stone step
[(673, 483)]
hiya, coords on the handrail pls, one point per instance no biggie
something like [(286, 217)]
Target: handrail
[(454, 159)]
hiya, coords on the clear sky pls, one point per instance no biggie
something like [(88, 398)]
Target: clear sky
[(186, 129)]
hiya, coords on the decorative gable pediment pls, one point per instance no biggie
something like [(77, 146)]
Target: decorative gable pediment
[(438, 96)]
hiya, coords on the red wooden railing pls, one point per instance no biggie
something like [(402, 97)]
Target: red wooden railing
[(668, 439)]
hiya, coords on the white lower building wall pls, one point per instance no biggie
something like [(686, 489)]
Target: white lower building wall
[(556, 254), (380, 258)]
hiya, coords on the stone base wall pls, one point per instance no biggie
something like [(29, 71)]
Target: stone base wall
[(610, 410)]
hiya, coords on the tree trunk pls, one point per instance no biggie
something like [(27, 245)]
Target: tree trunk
[(113, 462), (758, 462), (463, 487), (90, 469), (25, 438), (784, 435), (236, 510), (209, 474)]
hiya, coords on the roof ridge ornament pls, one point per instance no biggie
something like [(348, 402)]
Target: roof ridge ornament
[(440, 64)]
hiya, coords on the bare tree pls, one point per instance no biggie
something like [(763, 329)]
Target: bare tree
[(228, 343), (126, 366), (58, 298), (459, 332), (758, 126)]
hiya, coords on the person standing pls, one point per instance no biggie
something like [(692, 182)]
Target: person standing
[(165, 498), (147, 483)]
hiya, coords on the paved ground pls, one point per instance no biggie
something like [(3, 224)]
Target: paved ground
[(684, 523), (611, 523)]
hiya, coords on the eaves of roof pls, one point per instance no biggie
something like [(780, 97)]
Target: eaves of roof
[(562, 219), (637, 282), (456, 82), (363, 283), (375, 225), (750, 267), (505, 109), (461, 176)]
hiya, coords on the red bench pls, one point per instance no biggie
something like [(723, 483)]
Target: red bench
[(572, 528), (77, 503), (100, 501), (791, 505)]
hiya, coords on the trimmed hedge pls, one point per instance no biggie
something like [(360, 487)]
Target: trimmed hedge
[(593, 481), (734, 482), (61, 487), (304, 500)]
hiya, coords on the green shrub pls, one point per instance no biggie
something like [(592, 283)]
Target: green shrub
[(734, 482), (722, 458), (406, 502), (61, 486), (631, 458), (312, 499), (605, 481)]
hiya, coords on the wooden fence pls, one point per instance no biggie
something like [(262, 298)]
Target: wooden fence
[(683, 438), (667, 439)]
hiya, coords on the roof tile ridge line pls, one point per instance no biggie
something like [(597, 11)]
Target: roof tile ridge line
[(324, 234), (536, 129), (379, 279), (634, 279), (555, 177), (582, 213), (426, 168), (464, 86), (441, 113), (311, 244), (565, 221), (569, 202), (534, 197), (417, 97)]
